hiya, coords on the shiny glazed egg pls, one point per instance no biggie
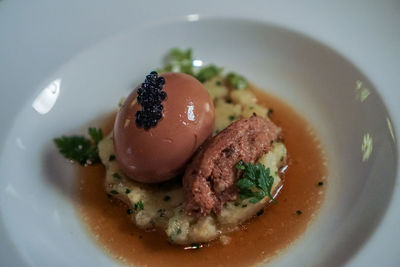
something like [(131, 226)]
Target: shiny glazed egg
[(159, 153)]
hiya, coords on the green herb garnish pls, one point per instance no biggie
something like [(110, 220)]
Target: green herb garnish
[(236, 81), (232, 118), (256, 182), (111, 158), (127, 191), (179, 61), (116, 175), (139, 205), (79, 148), (114, 192), (95, 134), (208, 72)]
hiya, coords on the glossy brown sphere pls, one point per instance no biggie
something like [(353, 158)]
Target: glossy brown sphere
[(161, 152)]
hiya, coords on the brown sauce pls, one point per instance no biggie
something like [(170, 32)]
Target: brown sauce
[(258, 240)]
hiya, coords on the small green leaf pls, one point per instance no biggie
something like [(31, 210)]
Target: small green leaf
[(255, 183), (245, 184), (236, 81), (139, 205), (208, 72), (240, 165), (95, 134), (116, 175), (77, 148), (179, 61)]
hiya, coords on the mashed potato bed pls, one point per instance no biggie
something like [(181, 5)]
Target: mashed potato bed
[(162, 207)]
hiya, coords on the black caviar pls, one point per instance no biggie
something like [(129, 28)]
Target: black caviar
[(150, 96)]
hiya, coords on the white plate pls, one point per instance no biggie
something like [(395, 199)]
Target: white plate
[(64, 64)]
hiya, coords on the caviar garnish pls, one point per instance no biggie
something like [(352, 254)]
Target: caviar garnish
[(150, 96)]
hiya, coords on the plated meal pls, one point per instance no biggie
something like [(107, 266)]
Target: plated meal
[(198, 166)]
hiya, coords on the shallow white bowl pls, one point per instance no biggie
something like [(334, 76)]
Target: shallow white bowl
[(36, 210)]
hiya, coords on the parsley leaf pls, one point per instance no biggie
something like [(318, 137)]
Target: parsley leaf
[(208, 72), (236, 81), (80, 148), (95, 134), (256, 182), (179, 61), (139, 205)]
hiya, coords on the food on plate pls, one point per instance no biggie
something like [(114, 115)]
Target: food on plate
[(163, 121), (194, 155), (171, 207), (207, 204), (210, 179)]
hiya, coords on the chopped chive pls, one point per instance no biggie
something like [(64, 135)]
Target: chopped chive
[(111, 158), (139, 205), (116, 175), (114, 192), (127, 191)]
